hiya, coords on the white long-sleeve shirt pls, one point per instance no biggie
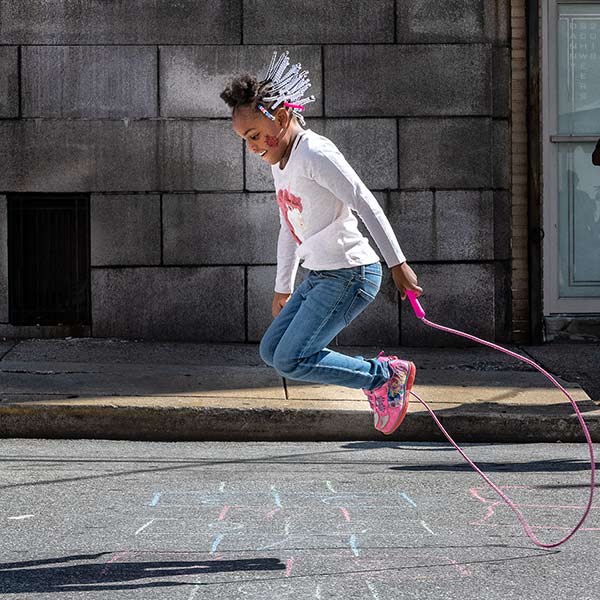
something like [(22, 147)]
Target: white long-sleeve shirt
[(317, 191)]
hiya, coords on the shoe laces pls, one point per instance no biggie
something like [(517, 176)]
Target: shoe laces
[(377, 401)]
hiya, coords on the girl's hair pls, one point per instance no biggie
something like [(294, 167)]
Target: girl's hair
[(246, 90), (275, 87)]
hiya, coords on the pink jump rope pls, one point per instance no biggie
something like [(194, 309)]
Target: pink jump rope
[(420, 313)]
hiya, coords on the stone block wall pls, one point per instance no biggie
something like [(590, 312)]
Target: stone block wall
[(121, 101)]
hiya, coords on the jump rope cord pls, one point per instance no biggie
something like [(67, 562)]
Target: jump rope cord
[(420, 314)]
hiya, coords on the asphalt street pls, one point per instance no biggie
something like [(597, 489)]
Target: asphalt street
[(101, 519)]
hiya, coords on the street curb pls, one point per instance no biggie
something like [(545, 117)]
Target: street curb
[(202, 423)]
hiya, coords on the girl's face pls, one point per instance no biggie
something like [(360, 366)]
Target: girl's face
[(263, 136)]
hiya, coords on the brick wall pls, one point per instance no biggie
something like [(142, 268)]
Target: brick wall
[(519, 242), (121, 100)]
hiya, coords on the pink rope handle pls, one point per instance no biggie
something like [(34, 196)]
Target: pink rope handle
[(421, 315)]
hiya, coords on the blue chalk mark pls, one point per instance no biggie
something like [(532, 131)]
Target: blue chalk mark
[(216, 543), (276, 496), (409, 500), (155, 499), (373, 590), (354, 545)]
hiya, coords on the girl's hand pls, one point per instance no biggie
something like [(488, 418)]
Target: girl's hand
[(405, 279), (279, 301)]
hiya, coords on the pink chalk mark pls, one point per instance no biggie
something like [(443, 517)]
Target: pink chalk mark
[(491, 511), (114, 559), (272, 513), (475, 494), (346, 514), (460, 568), (289, 565), (493, 504), (118, 556), (224, 512)]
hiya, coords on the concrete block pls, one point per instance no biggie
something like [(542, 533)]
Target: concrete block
[(498, 21), (503, 301), (501, 78), (445, 153), (449, 225), (9, 82), (369, 145), (502, 225), (107, 156), (378, 324), (501, 154), (193, 77), (133, 22), (71, 156), (3, 260), (465, 225), (411, 214), (316, 22), (460, 296), (125, 229), (408, 80), (203, 304), (431, 21), (199, 155), (89, 81), (261, 282), (220, 228)]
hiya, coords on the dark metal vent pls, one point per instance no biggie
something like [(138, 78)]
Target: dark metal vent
[(48, 259)]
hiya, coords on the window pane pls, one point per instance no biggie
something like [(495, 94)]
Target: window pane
[(578, 221), (579, 68)]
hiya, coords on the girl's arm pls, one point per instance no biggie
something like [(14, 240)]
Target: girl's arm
[(287, 262), (333, 172)]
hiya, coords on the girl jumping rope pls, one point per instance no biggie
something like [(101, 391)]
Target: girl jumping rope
[(317, 190)]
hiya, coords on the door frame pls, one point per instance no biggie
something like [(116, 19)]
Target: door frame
[(552, 303)]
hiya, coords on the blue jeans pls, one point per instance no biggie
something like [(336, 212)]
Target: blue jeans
[(324, 303)]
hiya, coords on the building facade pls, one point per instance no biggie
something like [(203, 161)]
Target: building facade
[(129, 207)]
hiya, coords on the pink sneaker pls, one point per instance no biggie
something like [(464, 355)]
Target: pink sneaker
[(389, 401)]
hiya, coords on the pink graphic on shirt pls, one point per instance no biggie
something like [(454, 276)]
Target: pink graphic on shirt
[(287, 201)]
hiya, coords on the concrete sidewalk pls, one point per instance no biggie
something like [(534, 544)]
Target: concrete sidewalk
[(137, 390)]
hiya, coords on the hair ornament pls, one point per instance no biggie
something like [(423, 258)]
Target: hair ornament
[(265, 112), (287, 88)]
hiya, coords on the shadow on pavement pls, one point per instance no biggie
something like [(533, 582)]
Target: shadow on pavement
[(36, 576)]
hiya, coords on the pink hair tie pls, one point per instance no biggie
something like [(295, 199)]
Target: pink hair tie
[(293, 105)]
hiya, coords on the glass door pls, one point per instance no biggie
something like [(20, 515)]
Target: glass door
[(571, 128)]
